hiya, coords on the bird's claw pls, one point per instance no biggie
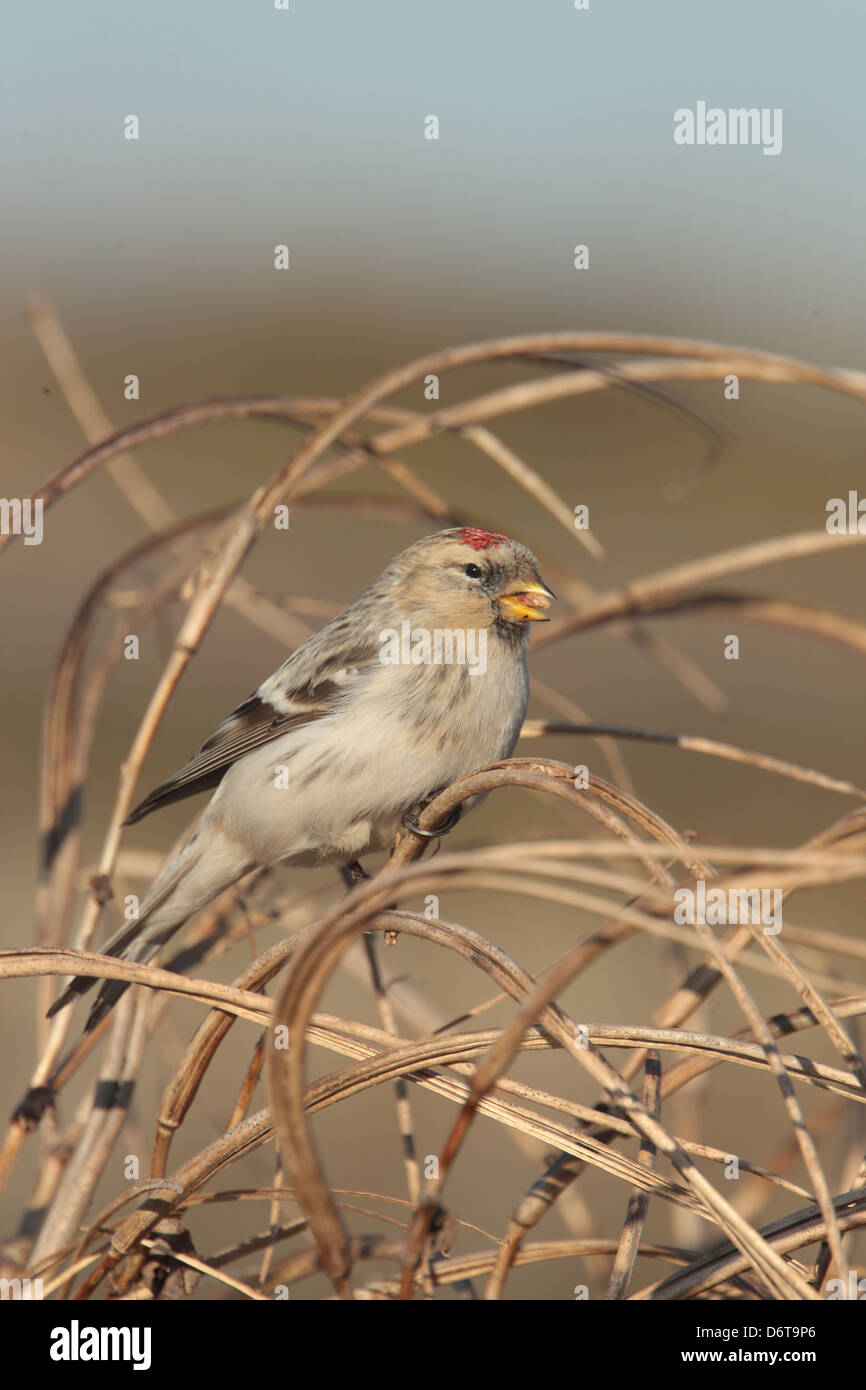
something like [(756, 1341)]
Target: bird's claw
[(450, 823)]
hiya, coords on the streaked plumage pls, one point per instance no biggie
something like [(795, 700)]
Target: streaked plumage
[(360, 743)]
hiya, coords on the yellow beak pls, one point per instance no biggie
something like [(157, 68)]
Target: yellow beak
[(526, 605)]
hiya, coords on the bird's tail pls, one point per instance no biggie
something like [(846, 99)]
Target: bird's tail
[(208, 863)]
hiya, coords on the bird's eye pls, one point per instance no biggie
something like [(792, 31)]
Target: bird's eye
[(474, 571)]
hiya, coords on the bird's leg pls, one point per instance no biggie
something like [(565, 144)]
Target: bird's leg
[(355, 873)]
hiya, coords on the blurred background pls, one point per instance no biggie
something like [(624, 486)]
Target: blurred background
[(261, 127)]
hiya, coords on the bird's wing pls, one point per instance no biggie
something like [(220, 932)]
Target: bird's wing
[(302, 690)]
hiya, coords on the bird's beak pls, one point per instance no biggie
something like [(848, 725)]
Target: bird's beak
[(526, 605)]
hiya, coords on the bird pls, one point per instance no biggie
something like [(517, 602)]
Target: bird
[(419, 682)]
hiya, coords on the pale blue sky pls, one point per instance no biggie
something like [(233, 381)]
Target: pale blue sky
[(556, 127)]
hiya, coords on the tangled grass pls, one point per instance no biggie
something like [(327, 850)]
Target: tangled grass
[(626, 873)]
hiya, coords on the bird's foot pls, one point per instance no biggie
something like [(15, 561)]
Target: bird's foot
[(409, 822)]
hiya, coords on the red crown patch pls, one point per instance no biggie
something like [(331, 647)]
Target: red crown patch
[(480, 540)]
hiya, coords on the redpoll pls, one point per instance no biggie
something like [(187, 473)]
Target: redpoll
[(420, 682)]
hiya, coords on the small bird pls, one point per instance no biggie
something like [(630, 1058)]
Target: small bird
[(418, 683)]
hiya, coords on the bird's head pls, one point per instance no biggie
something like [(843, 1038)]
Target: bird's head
[(471, 578)]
